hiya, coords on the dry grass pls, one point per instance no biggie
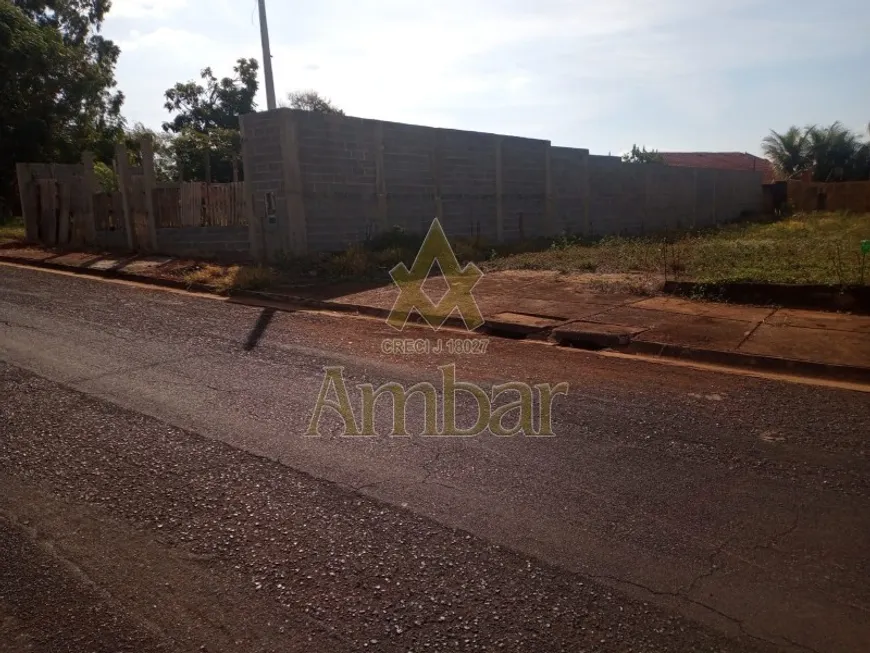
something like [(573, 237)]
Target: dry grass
[(808, 248), (225, 278), (373, 259), (12, 230), (820, 248)]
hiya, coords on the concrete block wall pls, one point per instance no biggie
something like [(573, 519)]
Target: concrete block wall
[(617, 193), (230, 242), (338, 170), (636, 199), (833, 196), (738, 192), (468, 172), (670, 198), (706, 213), (339, 180), (569, 175), (524, 164), (265, 168), (412, 156)]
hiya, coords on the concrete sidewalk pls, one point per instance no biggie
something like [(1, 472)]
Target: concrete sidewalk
[(569, 310)]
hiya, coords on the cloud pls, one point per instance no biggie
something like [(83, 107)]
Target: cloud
[(145, 8), (571, 70), (185, 50)]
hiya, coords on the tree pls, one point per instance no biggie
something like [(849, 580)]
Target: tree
[(206, 141), (190, 150), (57, 86), (106, 177), (164, 164), (835, 152), (642, 155), (789, 152), (310, 100), (832, 153), (216, 104)]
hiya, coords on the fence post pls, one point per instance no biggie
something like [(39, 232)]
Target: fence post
[(89, 187), (207, 157), (647, 196), (255, 225), (150, 182), (380, 179), (715, 212), (63, 211), (549, 225), (31, 218), (122, 168), (295, 228), (436, 163), (499, 203)]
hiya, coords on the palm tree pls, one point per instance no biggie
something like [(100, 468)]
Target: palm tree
[(834, 150), (788, 152)]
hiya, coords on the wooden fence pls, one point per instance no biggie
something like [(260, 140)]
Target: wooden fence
[(199, 204), (108, 211), (53, 202), (62, 204)]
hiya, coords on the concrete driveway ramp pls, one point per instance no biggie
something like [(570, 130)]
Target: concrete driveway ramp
[(592, 335)]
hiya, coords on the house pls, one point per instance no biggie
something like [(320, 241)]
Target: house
[(722, 161)]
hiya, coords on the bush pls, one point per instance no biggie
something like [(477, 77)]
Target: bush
[(106, 177)]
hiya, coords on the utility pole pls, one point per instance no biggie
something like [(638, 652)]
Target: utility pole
[(267, 57)]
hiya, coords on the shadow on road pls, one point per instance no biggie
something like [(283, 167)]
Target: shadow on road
[(259, 328)]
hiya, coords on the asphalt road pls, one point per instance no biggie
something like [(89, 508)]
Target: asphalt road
[(676, 509)]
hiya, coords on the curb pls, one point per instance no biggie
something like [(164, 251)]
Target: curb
[(828, 371), (294, 300), (593, 335), (108, 274), (680, 352), (851, 298)]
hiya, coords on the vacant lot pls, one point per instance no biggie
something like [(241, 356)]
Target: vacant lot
[(820, 248), (823, 248)]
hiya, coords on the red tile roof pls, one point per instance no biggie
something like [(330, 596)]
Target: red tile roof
[(721, 161)]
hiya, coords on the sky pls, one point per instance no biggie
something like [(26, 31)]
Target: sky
[(674, 75)]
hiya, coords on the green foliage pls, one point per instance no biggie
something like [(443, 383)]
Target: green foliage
[(832, 153), (164, 163), (57, 83), (565, 240), (310, 100), (837, 154), (788, 151), (642, 155), (106, 177), (215, 104), (189, 150), (820, 248), (11, 229), (206, 125)]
